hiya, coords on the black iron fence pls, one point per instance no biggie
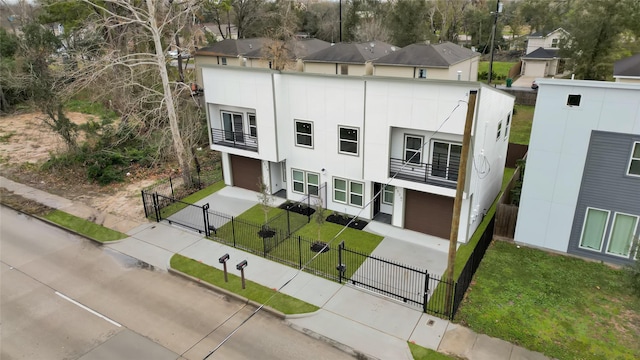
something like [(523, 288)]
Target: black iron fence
[(235, 139), (432, 174)]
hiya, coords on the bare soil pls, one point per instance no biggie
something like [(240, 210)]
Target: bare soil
[(26, 143)]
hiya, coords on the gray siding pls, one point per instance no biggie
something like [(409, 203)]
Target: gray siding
[(606, 186)]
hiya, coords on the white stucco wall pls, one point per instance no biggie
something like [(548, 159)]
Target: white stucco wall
[(557, 152)]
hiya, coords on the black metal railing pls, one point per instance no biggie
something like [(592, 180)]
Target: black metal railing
[(235, 139), (432, 174)]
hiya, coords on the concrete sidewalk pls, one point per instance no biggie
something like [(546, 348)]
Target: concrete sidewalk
[(351, 318)]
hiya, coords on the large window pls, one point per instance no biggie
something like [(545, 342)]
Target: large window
[(348, 192), (348, 140), (413, 149), (622, 231), (506, 127), (305, 182), (304, 133), (634, 163), (595, 224), (387, 194), (445, 160), (232, 126)]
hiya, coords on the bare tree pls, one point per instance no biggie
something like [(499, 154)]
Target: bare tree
[(139, 30)]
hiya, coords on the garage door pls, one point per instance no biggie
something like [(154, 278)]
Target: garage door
[(428, 213), (246, 172)]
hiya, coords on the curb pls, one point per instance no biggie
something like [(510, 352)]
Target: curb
[(336, 344), (273, 312)]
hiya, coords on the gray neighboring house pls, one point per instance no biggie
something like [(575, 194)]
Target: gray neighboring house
[(296, 50), (347, 58), (627, 70), (581, 191), (226, 52), (444, 61)]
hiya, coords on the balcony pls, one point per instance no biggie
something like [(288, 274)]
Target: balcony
[(235, 139), (431, 174)]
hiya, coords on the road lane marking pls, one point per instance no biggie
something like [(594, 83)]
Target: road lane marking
[(88, 309)]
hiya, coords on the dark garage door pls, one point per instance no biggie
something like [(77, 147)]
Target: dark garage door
[(428, 213), (246, 172)]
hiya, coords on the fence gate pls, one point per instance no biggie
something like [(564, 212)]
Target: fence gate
[(191, 216), (398, 281)]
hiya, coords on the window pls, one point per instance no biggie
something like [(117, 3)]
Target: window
[(573, 100), (413, 149), (305, 182), (634, 163), (595, 223), (387, 194), (445, 160), (253, 128), (344, 69), (340, 190), (499, 132), (224, 61), (232, 126), (348, 140), (348, 192), (622, 231), (422, 73), (506, 127), (304, 133), (554, 43), (270, 65)]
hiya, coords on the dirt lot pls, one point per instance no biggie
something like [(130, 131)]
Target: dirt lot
[(26, 142)]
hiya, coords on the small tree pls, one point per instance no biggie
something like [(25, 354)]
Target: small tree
[(319, 216), (264, 198)]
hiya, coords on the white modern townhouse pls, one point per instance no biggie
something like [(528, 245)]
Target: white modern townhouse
[(360, 136), (581, 191)]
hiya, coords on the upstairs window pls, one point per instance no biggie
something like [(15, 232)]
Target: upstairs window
[(573, 100), (506, 127), (304, 133), (634, 162), (253, 128), (445, 160), (348, 140), (223, 61), (555, 43), (413, 149), (499, 132), (422, 73), (344, 69)]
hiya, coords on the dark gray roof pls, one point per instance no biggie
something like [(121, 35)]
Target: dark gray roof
[(545, 33), (542, 53), (232, 47), (352, 53), (297, 49), (628, 66), (428, 55)]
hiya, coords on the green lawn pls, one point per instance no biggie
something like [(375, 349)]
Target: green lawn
[(421, 353), (84, 227), (562, 306), (253, 291), (521, 124), (91, 108), (500, 69), (191, 199)]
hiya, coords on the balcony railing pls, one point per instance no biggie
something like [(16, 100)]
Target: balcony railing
[(234, 139), (432, 174)]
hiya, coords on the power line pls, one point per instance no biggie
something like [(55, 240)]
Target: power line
[(406, 162)]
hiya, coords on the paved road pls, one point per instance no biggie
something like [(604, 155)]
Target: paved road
[(64, 297)]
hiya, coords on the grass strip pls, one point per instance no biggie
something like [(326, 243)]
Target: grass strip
[(422, 353), (253, 291), (84, 227), (521, 124)]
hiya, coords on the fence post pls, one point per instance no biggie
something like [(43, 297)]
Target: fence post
[(156, 206), (171, 185), (340, 247), (308, 208), (144, 204), (288, 224), (233, 231), (426, 291), (205, 216), (299, 252)]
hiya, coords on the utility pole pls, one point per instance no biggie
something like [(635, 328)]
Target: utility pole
[(457, 204), (340, 20), (493, 38)]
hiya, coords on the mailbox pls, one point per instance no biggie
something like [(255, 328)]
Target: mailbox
[(223, 258), (241, 265)]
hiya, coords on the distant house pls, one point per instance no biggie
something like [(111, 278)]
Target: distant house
[(226, 52), (627, 70), (581, 191), (445, 61), (294, 50), (347, 58), (542, 59)]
